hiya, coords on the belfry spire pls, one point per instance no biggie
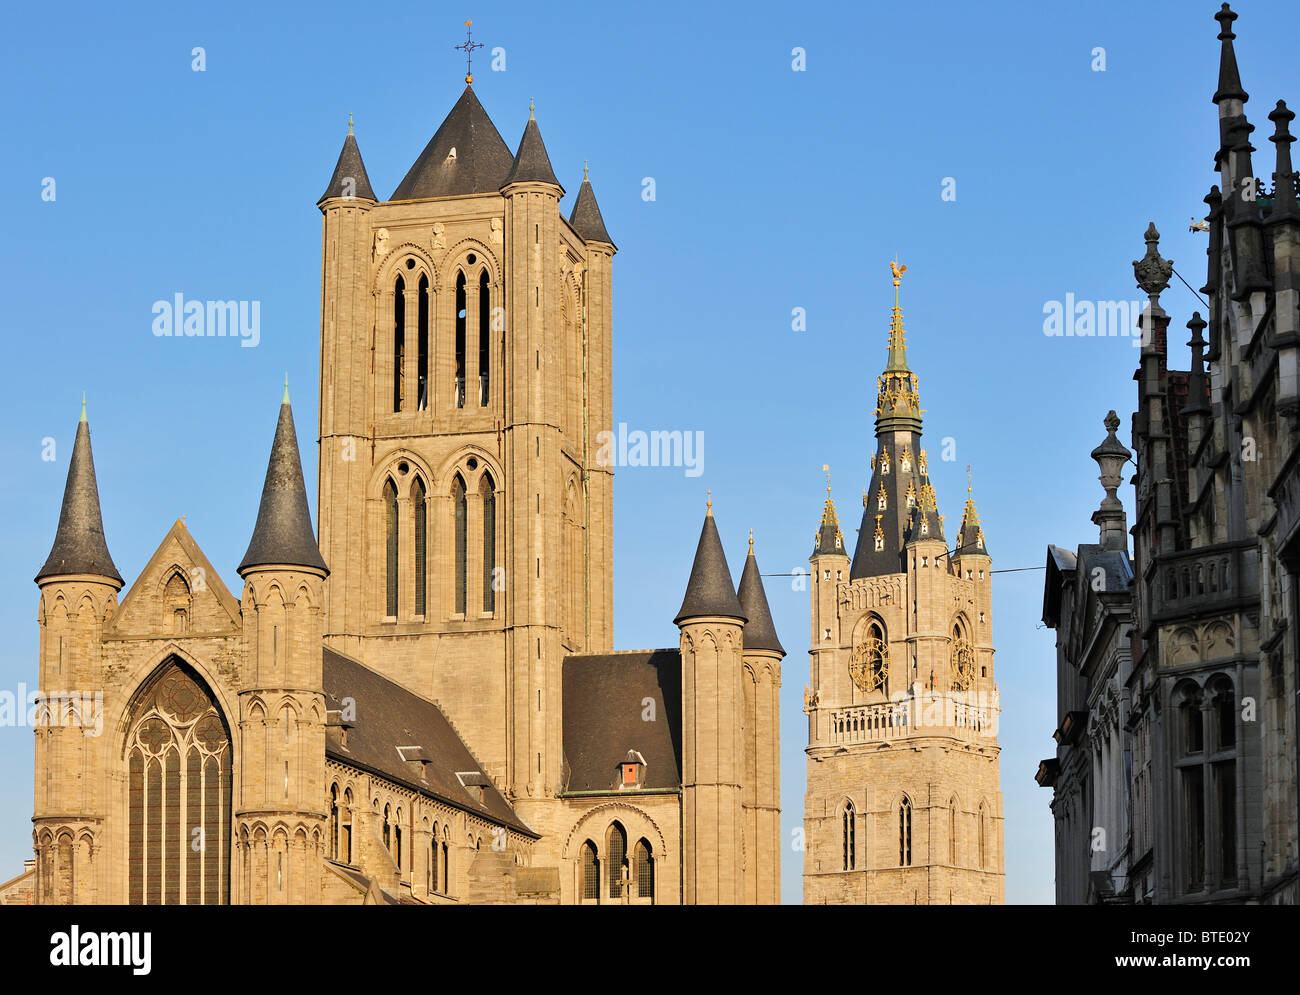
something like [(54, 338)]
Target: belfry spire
[(829, 538), (898, 401), (970, 537)]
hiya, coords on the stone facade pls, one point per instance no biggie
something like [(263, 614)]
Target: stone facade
[(1206, 711), (902, 804), (379, 716)]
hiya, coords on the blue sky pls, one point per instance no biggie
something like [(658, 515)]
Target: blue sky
[(774, 190)]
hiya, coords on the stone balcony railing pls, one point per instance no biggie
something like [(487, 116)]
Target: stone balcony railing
[(972, 717), (1205, 581)]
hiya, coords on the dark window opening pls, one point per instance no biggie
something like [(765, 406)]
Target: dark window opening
[(460, 340), (399, 342), (422, 351)]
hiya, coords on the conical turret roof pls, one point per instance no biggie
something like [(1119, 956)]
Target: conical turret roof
[(466, 155), (586, 219), (283, 535), (349, 177), (760, 632), (710, 591), (79, 544), (532, 164)]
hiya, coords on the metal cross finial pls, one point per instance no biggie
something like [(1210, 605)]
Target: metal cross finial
[(349, 122), (968, 481), (585, 164), (826, 469), (468, 49), (531, 107)]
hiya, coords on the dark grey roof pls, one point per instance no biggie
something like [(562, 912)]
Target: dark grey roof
[(482, 161), (79, 544), (389, 716), (605, 716), (283, 533), (532, 164), (586, 219), (760, 632), (710, 591), (898, 523), (350, 167)]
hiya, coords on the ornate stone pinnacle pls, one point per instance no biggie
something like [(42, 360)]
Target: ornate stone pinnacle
[(1152, 270)]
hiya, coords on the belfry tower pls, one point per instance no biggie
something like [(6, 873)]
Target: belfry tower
[(902, 803)]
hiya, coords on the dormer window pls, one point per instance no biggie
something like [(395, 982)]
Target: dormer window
[(631, 772), (882, 502), (905, 461), (925, 526)]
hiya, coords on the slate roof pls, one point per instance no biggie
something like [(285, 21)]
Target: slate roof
[(604, 717), (482, 161), (532, 164), (79, 543), (283, 533), (348, 166), (830, 540), (586, 219), (710, 590), (898, 523), (389, 716), (760, 632)]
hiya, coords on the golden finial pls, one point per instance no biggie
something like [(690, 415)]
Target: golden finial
[(969, 488), (708, 503), (585, 164), (182, 518), (531, 108), (83, 405), (751, 542), (468, 48), (898, 272), (826, 469), (349, 122)]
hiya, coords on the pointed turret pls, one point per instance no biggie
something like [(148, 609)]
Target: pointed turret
[(532, 164), (1284, 177), (466, 155), (970, 537), (586, 219), (1229, 78), (283, 535), (349, 179), (829, 538), (760, 632), (79, 544), (710, 591)]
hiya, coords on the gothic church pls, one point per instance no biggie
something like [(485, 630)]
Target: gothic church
[(421, 703)]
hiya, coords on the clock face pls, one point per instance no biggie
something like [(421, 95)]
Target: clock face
[(869, 664), (963, 665)]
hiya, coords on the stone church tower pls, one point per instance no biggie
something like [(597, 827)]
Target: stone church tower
[(902, 803), (437, 421)]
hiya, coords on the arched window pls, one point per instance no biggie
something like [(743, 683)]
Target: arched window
[(645, 870), (616, 848), (961, 659), (399, 341), (334, 821), (178, 792), (422, 349), (460, 340), (434, 858), (446, 861), (1223, 780), (418, 496), (459, 511), (388, 829), (487, 491), (390, 546), (952, 831), (984, 834), (345, 842), (397, 841), (850, 836), (590, 873), (176, 601), (484, 340), (905, 832)]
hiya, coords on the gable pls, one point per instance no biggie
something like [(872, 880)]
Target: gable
[(177, 578)]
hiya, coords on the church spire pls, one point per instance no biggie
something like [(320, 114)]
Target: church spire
[(709, 592), (283, 535), (79, 544), (586, 219), (349, 178), (760, 632), (532, 164), (829, 538)]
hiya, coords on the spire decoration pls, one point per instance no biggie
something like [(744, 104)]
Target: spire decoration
[(970, 537), (1229, 77), (1284, 177), (468, 47), (1111, 456), (829, 538), (897, 394)]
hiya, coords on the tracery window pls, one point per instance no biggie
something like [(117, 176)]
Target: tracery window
[(850, 836), (645, 870), (178, 794), (590, 873), (905, 832), (616, 848)]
